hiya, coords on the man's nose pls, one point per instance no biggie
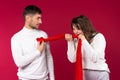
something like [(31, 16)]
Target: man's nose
[(40, 21)]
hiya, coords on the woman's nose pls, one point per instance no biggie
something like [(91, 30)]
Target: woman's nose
[(77, 32)]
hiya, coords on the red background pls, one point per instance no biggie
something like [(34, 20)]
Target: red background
[(57, 15)]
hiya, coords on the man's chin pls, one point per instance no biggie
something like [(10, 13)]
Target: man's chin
[(37, 27)]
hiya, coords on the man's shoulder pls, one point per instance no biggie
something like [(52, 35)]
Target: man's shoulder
[(16, 35), (42, 33)]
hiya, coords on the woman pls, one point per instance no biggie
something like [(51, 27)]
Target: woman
[(93, 49)]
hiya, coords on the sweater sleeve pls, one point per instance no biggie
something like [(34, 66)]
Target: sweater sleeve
[(50, 62), (17, 53), (96, 49), (71, 52)]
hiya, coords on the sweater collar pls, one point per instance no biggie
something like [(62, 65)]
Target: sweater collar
[(28, 30)]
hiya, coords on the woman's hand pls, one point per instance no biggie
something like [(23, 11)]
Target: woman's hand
[(68, 37), (81, 36)]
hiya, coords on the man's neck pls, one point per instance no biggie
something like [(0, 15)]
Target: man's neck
[(28, 27)]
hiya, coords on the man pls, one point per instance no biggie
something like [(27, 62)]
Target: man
[(33, 59)]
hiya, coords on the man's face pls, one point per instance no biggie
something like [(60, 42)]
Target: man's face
[(35, 21)]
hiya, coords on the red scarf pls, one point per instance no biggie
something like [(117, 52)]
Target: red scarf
[(79, 72)]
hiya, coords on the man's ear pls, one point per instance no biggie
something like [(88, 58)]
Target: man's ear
[(27, 17)]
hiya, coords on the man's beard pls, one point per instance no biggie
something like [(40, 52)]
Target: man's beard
[(33, 27)]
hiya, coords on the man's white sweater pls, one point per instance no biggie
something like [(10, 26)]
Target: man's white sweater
[(30, 62)]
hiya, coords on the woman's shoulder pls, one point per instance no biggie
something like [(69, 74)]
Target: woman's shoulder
[(99, 36)]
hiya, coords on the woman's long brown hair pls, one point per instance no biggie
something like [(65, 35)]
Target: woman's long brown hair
[(83, 23)]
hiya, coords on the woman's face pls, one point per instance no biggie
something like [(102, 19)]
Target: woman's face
[(77, 31)]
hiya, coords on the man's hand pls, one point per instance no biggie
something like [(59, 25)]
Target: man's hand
[(41, 46)]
